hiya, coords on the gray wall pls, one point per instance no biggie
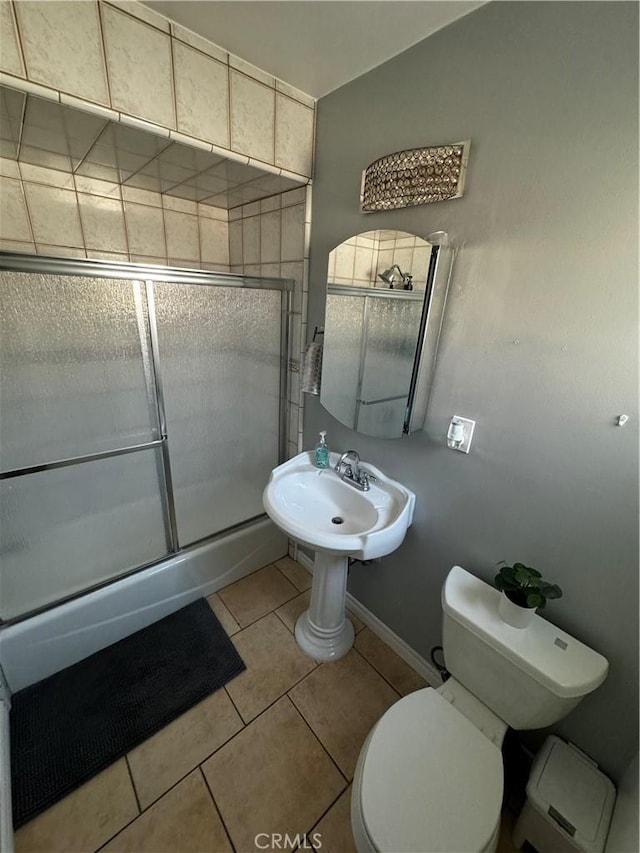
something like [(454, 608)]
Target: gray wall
[(539, 343)]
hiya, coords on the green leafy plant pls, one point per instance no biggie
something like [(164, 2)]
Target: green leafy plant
[(524, 586)]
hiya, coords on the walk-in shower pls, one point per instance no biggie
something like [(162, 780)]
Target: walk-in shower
[(141, 412)]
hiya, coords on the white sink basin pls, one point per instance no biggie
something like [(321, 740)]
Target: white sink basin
[(318, 509)]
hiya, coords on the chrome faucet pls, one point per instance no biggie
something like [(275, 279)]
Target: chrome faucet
[(353, 473)]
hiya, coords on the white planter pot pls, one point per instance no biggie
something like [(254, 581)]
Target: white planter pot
[(513, 614)]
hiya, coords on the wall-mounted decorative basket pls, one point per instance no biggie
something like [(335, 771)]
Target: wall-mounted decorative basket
[(417, 176)]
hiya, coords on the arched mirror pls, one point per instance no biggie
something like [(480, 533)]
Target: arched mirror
[(385, 301)]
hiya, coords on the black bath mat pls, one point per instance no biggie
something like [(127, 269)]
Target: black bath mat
[(68, 727)]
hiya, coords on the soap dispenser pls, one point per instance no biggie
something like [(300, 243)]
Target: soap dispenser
[(322, 451)]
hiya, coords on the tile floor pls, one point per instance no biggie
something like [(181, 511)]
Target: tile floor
[(272, 752)]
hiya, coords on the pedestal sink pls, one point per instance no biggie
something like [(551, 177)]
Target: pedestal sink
[(319, 509)]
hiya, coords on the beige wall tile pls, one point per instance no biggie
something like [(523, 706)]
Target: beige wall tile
[(235, 242), (185, 819), (14, 221), (182, 235), (139, 10), (145, 228), (10, 56), (292, 245), (63, 48), (102, 223), (252, 71), (61, 251), (184, 205), (294, 136), (251, 240), (214, 240), (363, 268), (16, 246), (9, 168), (285, 791), (97, 254), (297, 94), (86, 818), (202, 95), (252, 117), (179, 747), (274, 664), (139, 65), (54, 215), (141, 196), (94, 186), (270, 237), (199, 43)]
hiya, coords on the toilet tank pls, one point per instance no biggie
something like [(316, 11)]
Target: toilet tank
[(530, 677)]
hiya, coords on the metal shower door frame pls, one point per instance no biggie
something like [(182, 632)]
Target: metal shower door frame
[(145, 276)]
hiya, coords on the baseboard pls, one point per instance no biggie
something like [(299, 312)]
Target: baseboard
[(409, 655)]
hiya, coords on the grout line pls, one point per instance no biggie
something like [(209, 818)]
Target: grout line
[(311, 729), (216, 807), (103, 43), (27, 208), (133, 784), (325, 812), (23, 54), (237, 710), (374, 668)]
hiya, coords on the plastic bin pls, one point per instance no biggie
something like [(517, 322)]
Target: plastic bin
[(569, 802)]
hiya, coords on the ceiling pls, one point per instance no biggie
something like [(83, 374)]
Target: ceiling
[(315, 45), (46, 133)]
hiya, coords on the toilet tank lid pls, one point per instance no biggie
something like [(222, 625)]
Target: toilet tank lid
[(555, 659)]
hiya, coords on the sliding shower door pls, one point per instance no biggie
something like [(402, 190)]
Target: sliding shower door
[(219, 353), (136, 417)]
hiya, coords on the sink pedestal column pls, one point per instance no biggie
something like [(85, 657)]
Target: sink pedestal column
[(323, 631)]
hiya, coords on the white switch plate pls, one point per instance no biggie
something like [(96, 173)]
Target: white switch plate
[(469, 427)]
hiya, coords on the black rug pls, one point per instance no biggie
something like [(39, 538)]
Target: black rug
[(68, 727)]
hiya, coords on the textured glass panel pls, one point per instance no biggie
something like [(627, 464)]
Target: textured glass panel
[(70, 528), (382, 420), (220, 364), (392, 332), (72, 378), (341, 356)]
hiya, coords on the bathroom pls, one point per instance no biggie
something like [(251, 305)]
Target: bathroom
[(540, 326)]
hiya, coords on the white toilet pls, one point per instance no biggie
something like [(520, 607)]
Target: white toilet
[(429, 778)]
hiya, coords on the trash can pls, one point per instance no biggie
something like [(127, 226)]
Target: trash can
[(569, 802)]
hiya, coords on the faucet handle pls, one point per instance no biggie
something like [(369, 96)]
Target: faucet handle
[(365, 477)]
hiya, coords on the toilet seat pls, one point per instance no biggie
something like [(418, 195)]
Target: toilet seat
[(427, 780)]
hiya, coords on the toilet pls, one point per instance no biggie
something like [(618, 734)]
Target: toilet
[(429, 778)]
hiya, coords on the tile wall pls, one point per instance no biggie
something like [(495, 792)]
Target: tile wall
[(360, 259), (271, 238), (48, 212), (134, 65)]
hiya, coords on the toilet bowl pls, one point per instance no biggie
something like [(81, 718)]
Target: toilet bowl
[(429, 778)]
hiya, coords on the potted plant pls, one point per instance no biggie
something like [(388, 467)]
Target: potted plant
[(523, 592)]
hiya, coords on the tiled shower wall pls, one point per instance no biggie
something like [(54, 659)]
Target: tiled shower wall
[(271, 238), (134, 65), (360, 259), (48, 212)]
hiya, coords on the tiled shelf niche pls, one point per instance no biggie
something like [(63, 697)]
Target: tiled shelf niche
[(138, 65)]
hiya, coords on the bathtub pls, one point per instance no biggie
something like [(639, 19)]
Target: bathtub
[(43, 644)]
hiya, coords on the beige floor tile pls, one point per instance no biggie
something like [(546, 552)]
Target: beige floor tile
[(295, 572), (332, 834), (274, 664), (184, 820), (390, 665), (257, 594), (290, 611), (341, 701), (224, 617), (171, 753), (272, 777), (86, 818)]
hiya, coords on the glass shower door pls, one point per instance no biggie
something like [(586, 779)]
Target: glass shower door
[(74, 389), (219, 364)]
